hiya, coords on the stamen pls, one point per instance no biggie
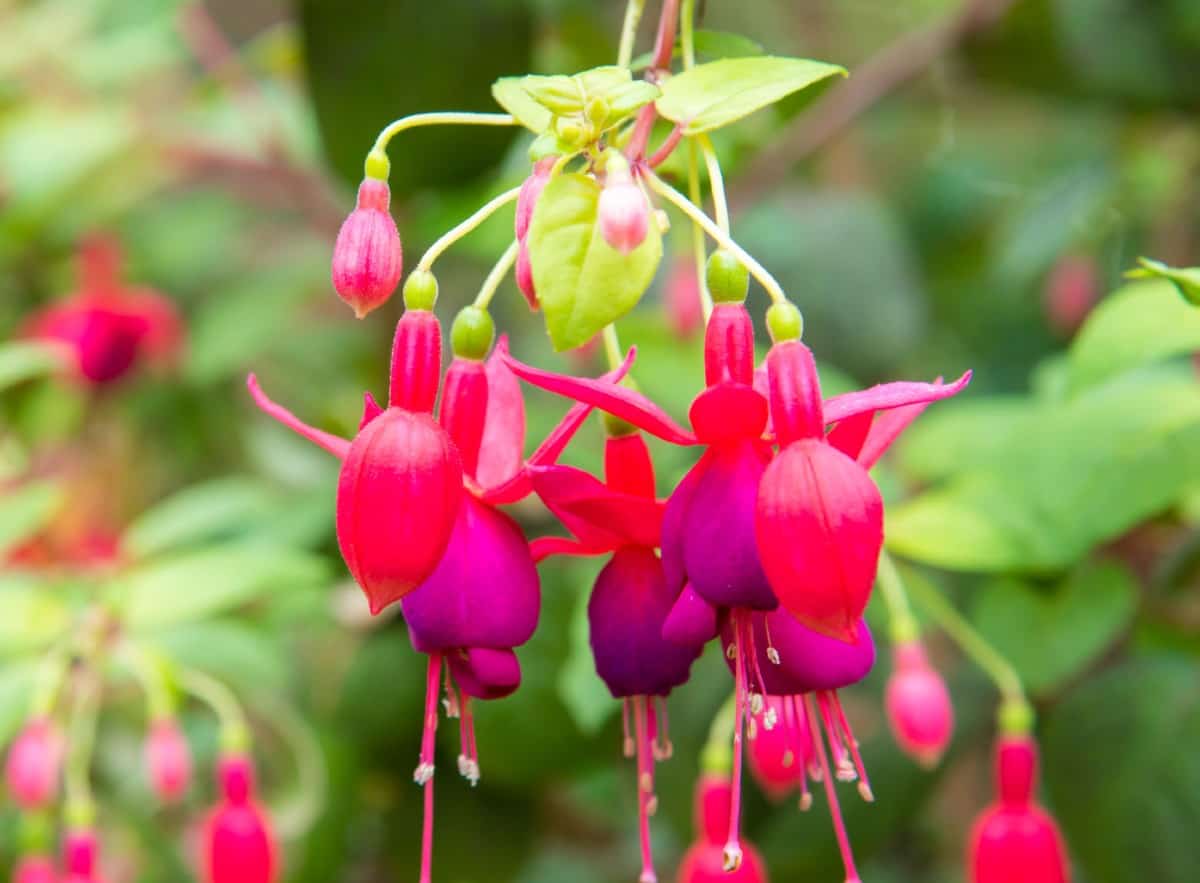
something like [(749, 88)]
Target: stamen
[(733, 848), (772, 653), (450, 703), (663, 749), (799, 737), (770, 719), (469, 760), (748, 625), (864, 784), (841, 757), (628, 746), (424, 773), (646, 800), (835, 810)]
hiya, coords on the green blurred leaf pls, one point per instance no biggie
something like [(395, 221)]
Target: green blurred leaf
[(201, 584), (369, 66), (1185, 279), (16, 691), (583, 693), (24, 510), (582, 282), (956, 436), (575, 96), (32, 615), (1123, 774), (510, 94), (1052, 635), (200, 513), (1136, 325), (22, 360), (716, 94), (1075, 475), (249, 658)]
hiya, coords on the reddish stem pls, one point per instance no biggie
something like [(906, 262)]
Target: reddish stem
[(733, 847), (425, 767), (665, 44), (667, 148), (645, 766), (835, 809)]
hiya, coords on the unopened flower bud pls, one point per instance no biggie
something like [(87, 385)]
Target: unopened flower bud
[(367, 257), (918, 705), (34, 762), (727, 277), (168, 759), (623, 215), (472, 333)]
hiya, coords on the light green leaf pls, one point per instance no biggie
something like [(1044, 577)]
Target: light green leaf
[(1052, 635), (583, 693), (721, 92), (510, 95), (1139, 324), (249, 658), (196, 514), (201, 584), (1078, 473), (583, 283), (32, 615), (16, 692), (1185, 279), (24, 510), (22, 360), (956, 436)]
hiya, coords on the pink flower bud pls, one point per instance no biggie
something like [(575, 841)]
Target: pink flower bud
[(80, 856), (239, 845), (367, 257), (704, 861), (525, 275), (624, 215), (168, 760), (681, 297), (779, 756), (33, 764), (530, 191), (35, 869), (1072, 289), (918, 706)]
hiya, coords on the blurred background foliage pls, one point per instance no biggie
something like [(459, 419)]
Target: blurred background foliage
[(965, 199)]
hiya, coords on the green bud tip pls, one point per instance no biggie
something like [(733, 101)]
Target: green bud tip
[(569, 131), (784, 322), (420, 290), (472, 333), (1015, 718), (377, 165), (614, 427), (728, 279), (597, 111)]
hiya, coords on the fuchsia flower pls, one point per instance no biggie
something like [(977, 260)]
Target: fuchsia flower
[(781, 754), (35, 869), (34, 764), (623, 212), (747, 530), (704, 861), (630, 600), (1015, 840), (368, 259), (531, 191), (401, 482), (106, 326), (168, 760), (81, 850), (918, 705), (239, 845)]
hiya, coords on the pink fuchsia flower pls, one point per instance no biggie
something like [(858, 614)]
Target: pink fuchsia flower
[(681, 298), (107, 327), (819, 516), (81, 856), (34, 764), (623, 212), (704, 861), (168, 759), (239, 845), (35, 869), (368, 259), (630, 599), (918, 705), (402, 475), (1015, 840), (527, 200)]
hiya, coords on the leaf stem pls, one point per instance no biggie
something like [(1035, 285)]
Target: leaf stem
[(687, 29), (716, 181), (496, 276), (453, 235), (757, 270), (633, 17), (441, 118), (706, 303), (612, 346), (85, 711), (1015, 712), (904, 626)]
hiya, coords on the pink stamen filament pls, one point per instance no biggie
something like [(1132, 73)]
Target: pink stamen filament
[(753, 651), (424, 773), (473, 749), (733, 847), (803, 752), (645, 766), (627, 747), (663, 749), (835, 809), (864, 784), (841, 757)]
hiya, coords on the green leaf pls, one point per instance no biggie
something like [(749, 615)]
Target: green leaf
[(1139, 324), (249, 658), (198, 513), (583, 693), (22, 360), (583, 283), (201, 584), (721, 92), (1185, 279), (1052, 635), (956, 436), (16, 692), (1077, 474), (1123, 774), (511, 95), (25, 510), (32, 615)]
